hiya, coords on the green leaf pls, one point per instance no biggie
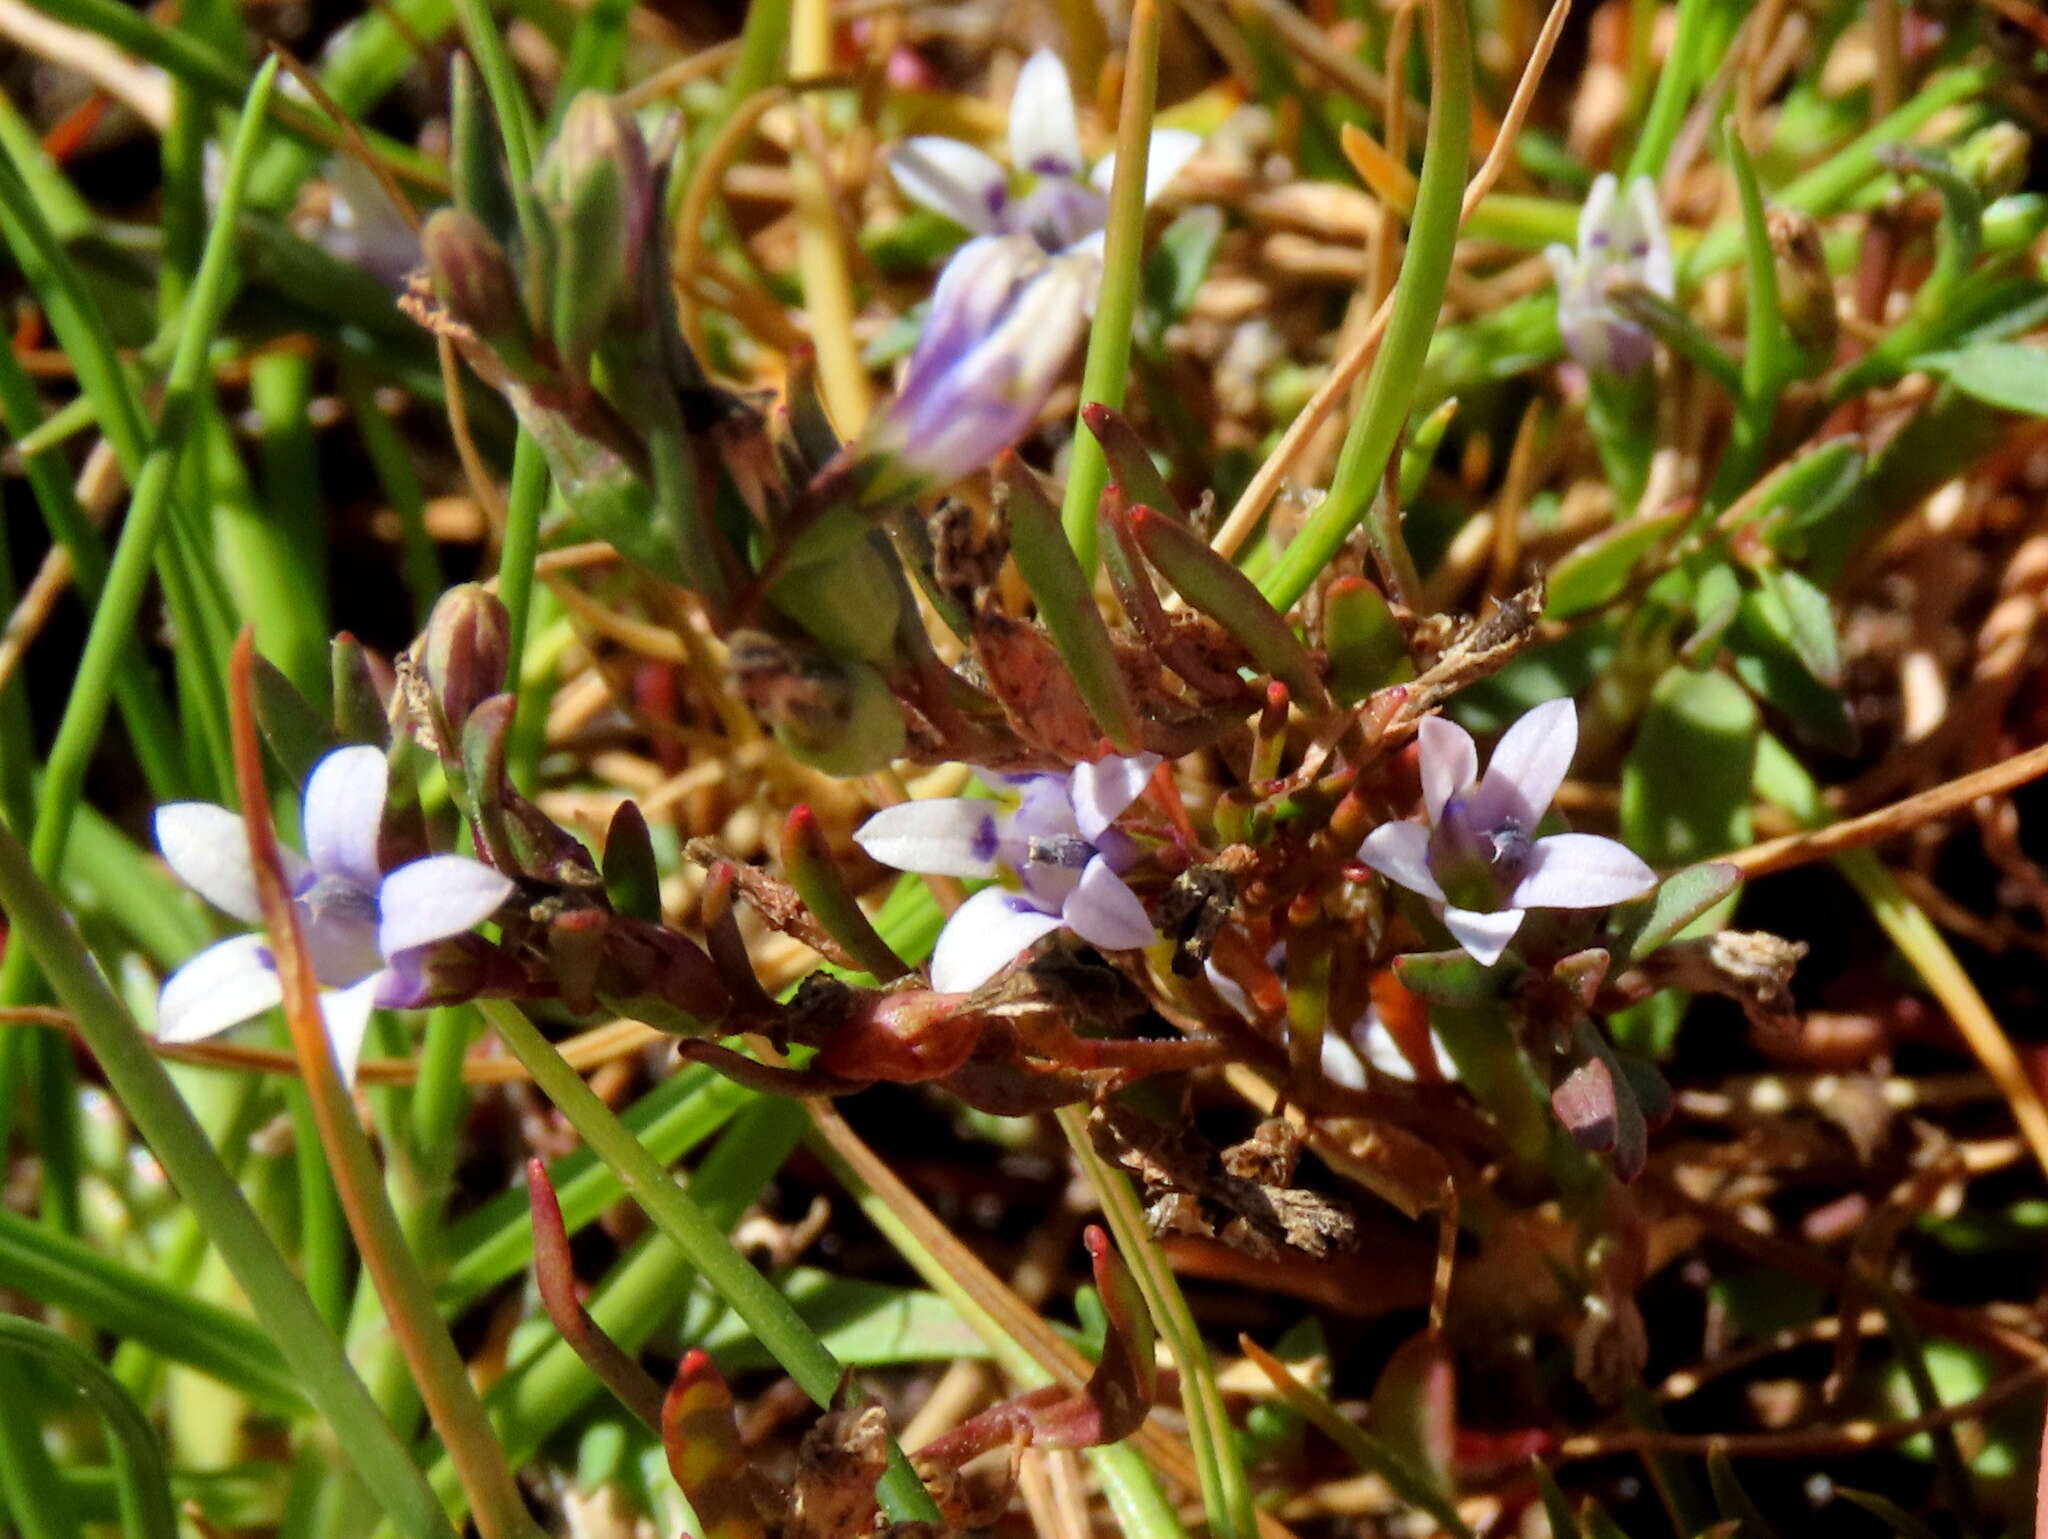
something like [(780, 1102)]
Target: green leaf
[(1365, 643), (1766, 660), (1597, 571), (2009, 375), (1685, 785), (1800, 613), (1449, 978), (1177, 266), (1648, 923), (1716, 600)]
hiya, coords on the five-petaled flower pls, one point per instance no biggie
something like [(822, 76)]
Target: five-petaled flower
[(1064, 209), (1055, 841), (1478, 862), (368, 932), (1622, 241)]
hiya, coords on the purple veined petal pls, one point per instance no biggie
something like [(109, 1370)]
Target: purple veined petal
[(945, 836), (225, 985), (346, 1014), (339, 921), (1057, 213), (1103, 790), (1045, 810), (952, 179), (1581, 871), (1449, 762), (1527, 767), (984, 936), (1484, 936), (975, 286), (344, 813), (432, 899), (1400, 852), (1169, 152), (1104, 912), (207, 849), (1044, 138), (402, 985)]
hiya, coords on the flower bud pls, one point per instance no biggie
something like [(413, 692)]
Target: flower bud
[(1005, 320), (1995, 159), (598, 189), (842, 589), (1806, 290), (832, 713), (465, 650), (475, 283)]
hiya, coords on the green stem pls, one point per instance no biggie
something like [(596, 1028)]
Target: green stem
[(771, 1317), (1226, 1494), (1397, 367), (1106, 376)]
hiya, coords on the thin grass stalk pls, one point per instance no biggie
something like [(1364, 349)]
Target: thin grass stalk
[(1355, 490), (408, 1298), (677, 1214), (142, 1484), (1105, 378), (1226, 1493), (113, 622)]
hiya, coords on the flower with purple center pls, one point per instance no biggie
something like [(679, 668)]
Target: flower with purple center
[(1478, 861), (1622, 241), (368, 932), (1054, 844), (1067, 204), (1005, 318)]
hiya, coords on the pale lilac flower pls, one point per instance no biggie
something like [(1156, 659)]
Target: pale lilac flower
[(1478, 862), (1622, 241), (1054, 841), (1066, 204), (367, 931), (1005, 319)]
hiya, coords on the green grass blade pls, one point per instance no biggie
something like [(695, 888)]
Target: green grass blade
[(142, 1482), (1396, 368)]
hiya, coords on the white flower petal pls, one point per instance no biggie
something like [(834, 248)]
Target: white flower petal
[(1450, 763), (346, 1013), (1596, 218), (951, 179), (1106, 913), (223, 986), (1401, 851), (1650, 244), (343, 813), (1044, 137), (946, 836), (1527, 767), (432, 899), (1170, 150), (207, 849), (983, 937), (1581, 871), (1341, 1063), (1379, 1049), (1484, 936), (1102, 790)]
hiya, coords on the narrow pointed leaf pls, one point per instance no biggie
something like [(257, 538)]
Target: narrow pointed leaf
[(1228, 597)]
